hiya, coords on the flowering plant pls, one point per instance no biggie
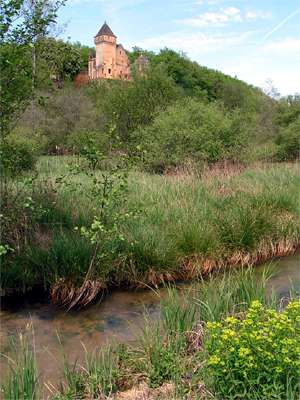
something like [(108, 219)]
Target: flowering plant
[(257, 356)]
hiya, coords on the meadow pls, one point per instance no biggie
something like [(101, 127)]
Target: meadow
[(161, 228)]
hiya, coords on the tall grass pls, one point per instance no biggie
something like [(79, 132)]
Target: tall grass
[(95, 378), (22, 379), (188, 225), (102, 368), (232, 292), (170, 349), (167, 347)]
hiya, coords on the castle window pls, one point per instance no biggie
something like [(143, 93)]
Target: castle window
[(109, 70)]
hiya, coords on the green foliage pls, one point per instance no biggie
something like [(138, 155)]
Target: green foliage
[(85, 52), (21, 24), (256, 357), (57, 60), (192, 130), (99, 375), (178, 313), (288, 110), (108, 191), (197, 80), (22, 380), (128, 105), (160, 357), (80, 140), (137, 51), (16, 156), (171, 220), (15, 82), (63, 119), (103, 372), (232, 292), (288, 142)]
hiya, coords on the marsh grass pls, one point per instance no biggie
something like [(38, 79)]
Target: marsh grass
[(22, 380), (102, 368), (232, 292), (170, 352), (188, 225), (168, 346)]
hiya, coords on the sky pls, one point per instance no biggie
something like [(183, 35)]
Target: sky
[(255, 40)]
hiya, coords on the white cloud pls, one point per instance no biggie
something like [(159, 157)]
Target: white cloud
[(195, 44), (219, 18), (208, 2), (287, 45), (223, 17), (258, 14), (232, 11), (272, 61)]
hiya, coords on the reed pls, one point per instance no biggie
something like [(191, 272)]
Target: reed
[(168, 358), (22, 380), (232, 292), (188, 225)]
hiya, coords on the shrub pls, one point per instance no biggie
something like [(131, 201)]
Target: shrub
[(62, 117), (256, 357), (78, 141), (288, 142), (128, 105), (16, 156), (192, 130)]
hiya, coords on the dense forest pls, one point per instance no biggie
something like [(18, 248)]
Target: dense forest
[(179, 113)]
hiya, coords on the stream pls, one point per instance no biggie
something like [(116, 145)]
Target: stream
[(118, 318)]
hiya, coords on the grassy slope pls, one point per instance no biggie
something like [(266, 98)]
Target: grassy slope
[(187, 224)]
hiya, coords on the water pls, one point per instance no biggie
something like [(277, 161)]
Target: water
[(118, 318)]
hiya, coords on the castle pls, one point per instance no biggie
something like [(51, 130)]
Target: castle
[(111, 61)]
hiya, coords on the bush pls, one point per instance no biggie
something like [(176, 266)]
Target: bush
[(16, 156), (62, 118), (78, 141), (191, 130), (128, 105), (256, 357), (288, 142)]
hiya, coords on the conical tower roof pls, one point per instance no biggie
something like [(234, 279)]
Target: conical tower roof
[(105, 30)]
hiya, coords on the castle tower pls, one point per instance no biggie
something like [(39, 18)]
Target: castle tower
[(142, 64), (111, 60), (105, 42)]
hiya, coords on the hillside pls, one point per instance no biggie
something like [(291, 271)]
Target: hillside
[(112, 115)]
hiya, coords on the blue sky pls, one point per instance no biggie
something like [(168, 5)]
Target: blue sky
[(254, 40)]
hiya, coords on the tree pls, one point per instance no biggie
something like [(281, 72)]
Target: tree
[(192, 130), (270, 89), (288, 110), (288, 142), (137, 51), (129, 105), (22, 23), (85, 52), (57, 60)]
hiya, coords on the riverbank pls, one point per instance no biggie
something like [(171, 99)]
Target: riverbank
[(178, 226), (211, 341)]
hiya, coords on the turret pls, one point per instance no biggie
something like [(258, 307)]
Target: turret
[(105, 34), (105, 41)]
